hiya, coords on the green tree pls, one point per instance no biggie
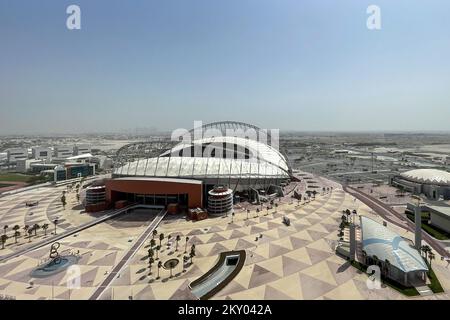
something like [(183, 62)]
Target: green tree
[(185, 244), (45, 227), (159, 267), (55, 222), (36, 227), (177, 239), (63, 200), (16, 227), (431, 257), (3, 239), (16, 235), (157, 251), (30, 233), (192, 253), (150, 263), (151, 253)]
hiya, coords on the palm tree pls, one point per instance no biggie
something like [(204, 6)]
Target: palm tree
[(150, 262), (157, 251), (159, 267), (45, 227), (423, 250), (55, 222), (161, 238), (185, 244), (178, 238), (431, 256), (63, 200), (151, 253), (25, 228), (4, 229), (3, 239), (154, 233), (387, 267), (192, 253), (16, 235), (30, 233), (152, 243), (168, 239), (35, 228), (16, 227)]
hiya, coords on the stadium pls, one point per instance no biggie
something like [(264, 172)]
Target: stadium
[(231, 155), (433, 183)]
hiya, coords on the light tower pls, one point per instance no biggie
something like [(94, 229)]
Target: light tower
[(418, 223)]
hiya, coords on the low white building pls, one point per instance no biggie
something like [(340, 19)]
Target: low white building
[(434, 184), (24, 165), (62, 152), (42, 153), (82, 149), (15, 154)]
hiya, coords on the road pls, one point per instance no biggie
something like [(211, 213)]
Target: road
[(396, 218), (127, 256), (66, 233)]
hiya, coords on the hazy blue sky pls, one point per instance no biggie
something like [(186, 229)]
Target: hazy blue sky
[(288, 64)]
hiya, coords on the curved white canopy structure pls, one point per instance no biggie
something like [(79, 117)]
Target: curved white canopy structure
[(237, 162), (428, 176)]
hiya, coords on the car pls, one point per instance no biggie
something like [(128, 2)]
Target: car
[(31, 203)]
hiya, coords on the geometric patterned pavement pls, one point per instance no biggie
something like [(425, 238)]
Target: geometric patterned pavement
[(287, 262)]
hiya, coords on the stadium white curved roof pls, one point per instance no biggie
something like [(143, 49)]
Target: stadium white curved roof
[(263, 161), (379, 241), (429, 176)]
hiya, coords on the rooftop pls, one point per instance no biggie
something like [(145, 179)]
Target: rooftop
[(432, 176), (379, 241)]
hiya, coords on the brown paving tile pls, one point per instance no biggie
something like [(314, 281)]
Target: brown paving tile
[(274, 294), (291, 266), (313, 288), (261, 276)]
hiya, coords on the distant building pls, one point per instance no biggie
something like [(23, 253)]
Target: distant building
[(439, 214), (42, 153), (15, 154), (38, 167), (430, 182), (62, 152), (82, 149), (24, 165)]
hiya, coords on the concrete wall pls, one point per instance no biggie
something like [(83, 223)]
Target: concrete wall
[(440, 222)]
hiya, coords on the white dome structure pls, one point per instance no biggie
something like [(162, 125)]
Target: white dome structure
[(236, 162), (428, 176), (237, 156), (433, 183)]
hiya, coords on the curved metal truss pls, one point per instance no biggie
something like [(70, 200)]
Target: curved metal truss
[(154, 148), (225, 126), (139, 150)]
